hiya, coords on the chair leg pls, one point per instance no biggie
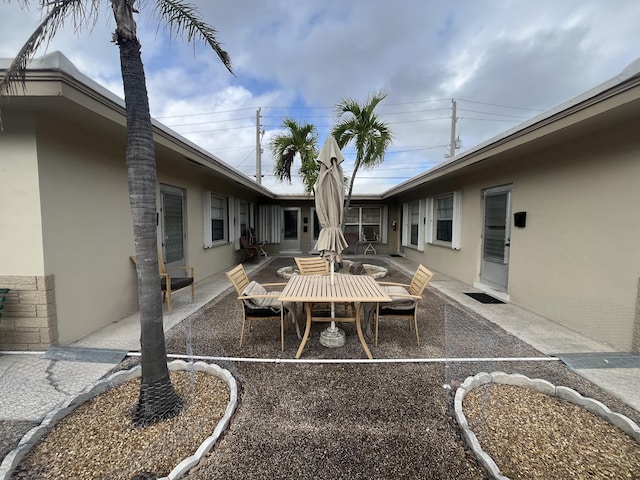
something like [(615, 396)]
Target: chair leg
[(242, 328), (169, 300), (281, 328), (415, 321), (377, 319)]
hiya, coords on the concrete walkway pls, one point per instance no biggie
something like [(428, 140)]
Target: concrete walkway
[(33, 384)]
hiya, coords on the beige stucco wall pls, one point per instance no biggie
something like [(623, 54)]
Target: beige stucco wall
[(577, 261), (87, 226), (66, 208), (21, 238)]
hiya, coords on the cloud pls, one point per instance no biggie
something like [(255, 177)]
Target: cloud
[(299, 59)]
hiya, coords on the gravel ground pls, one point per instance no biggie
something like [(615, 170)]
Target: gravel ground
[(98, 440), (354, 421), (550, 438)]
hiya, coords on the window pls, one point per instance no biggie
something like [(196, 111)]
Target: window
[(367, 221), (218, 216), (414, 222), (445, 220), (216, 219), (243, 218)]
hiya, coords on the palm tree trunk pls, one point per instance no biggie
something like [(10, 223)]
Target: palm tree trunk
[(348, 199), (158, 399)]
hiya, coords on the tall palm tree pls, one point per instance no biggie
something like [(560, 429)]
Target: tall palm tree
[(300, 139), (158, 399), (358, 124)]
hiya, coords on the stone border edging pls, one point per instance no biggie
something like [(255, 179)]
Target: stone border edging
[(543, 386), (289, 271), (33, 436)]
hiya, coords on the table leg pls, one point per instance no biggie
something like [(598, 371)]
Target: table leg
[(305, 337), (360, 335)]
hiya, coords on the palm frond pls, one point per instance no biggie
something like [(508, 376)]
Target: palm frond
[(183, 18), (54, 18), (301, 139), (57, 11)]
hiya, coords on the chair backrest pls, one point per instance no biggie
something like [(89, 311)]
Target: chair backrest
[(244, 241), (420, 280), (161, 266), (238, 277), (312, 265)]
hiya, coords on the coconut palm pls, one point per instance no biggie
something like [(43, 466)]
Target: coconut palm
[(358, 124), (297, 139), (158, 399)]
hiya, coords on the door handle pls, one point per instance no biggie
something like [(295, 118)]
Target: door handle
[(508, 244)]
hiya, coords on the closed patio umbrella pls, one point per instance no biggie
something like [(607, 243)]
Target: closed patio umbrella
[(329, 198)]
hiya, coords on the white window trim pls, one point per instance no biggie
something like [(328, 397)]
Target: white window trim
[(206, 214), (406, 224), (233, 206)]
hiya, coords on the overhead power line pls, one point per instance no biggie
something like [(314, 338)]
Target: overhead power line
[(502, 106)]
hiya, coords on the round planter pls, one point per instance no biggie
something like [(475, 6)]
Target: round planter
[(564, 393), (33, 436)]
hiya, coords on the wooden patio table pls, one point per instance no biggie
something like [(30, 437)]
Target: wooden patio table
[(314, 289)]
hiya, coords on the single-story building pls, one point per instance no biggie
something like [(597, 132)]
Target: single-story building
[(543, 215)]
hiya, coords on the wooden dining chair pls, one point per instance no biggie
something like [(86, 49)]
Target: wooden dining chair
[(169, 283), (249, 250), (312, 265), (405, 298), (319, 266), (257, 302)]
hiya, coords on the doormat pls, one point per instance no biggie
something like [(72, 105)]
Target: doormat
[(483, 297), (83, 354), (395, 255)]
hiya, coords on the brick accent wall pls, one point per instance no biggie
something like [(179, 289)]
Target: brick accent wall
[(29, 320)]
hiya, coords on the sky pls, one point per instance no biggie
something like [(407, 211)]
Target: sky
[(502, 61)]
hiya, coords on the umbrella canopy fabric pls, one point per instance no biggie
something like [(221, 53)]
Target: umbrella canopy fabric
[(329, 197)]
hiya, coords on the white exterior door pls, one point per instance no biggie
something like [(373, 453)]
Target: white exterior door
[(290, 234), (496, 238)]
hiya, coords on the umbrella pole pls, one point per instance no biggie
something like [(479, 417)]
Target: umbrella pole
[(332, 336)]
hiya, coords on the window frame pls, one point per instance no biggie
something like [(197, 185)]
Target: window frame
[(438, 218), (456, 220), (208, 197), (361, 225), (224, 217)]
